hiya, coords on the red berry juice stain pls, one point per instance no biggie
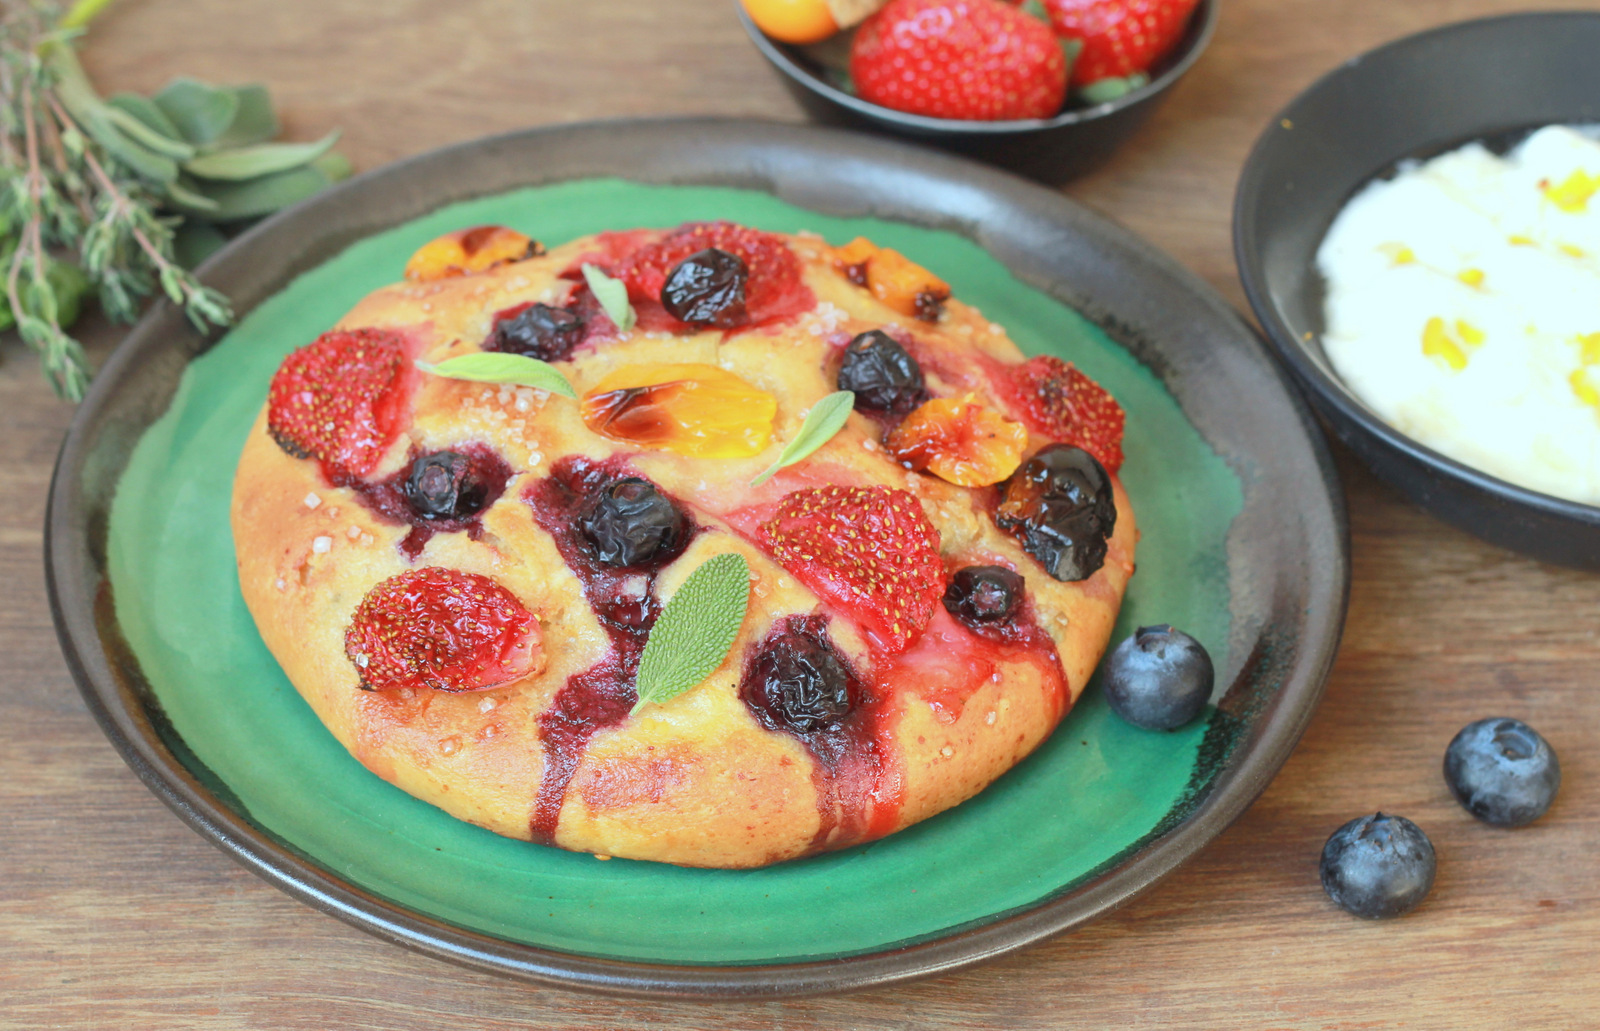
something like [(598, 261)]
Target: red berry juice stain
[(386, 498), (602, 695)]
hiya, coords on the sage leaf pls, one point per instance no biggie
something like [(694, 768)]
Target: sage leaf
[(613, 297), (184, 195), (265, 194), (692, 635), (142, 134), (146, 111), (494, 367), (254, 121), (826, 418), (259, 160), (194, 241), (200, 112)]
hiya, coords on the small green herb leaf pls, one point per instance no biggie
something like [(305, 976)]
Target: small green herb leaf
[(493, 367), (694, 632), (253, 122), (200, 112), (612, 295), (826, 418), (258, 160)]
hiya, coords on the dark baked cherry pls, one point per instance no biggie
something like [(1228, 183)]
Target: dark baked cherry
[(445, 485), (707, 288), (983, 596), (628, 524), (884, 377), (539, 331), (1060, 506), (797, 681)]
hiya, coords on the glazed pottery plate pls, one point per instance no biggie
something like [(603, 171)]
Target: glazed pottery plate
[(1243, 544)]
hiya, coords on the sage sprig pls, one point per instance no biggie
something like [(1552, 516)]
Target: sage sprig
[(612, 295), (826, 418), (692, 635), (494, 367), (120, 196)]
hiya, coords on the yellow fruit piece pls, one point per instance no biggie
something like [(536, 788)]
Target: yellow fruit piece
[(1584, 389), (894, 279), (1472, 277), (1518, 240), (1399, 253), (701, 411), (1469, 334), (1436, 343), (1572, 250), (467, 251), (1589, 349), (1572, 193), (792, 21), (960, 441)]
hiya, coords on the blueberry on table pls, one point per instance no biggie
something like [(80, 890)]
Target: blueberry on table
[(1159, 678), (708, 288), (1378, 866), (1502, 771), (628, 524), (880, 372)]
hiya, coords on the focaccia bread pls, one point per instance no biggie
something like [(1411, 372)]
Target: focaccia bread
[(460, 576)]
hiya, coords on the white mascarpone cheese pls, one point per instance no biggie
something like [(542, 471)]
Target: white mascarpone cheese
[(1463, 306)]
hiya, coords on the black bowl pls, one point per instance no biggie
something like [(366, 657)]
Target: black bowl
[(1051, 150), (1492, 80)]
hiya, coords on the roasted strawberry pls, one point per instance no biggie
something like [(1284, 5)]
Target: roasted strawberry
[(341, 400), (960, 441), (442, 629), (1119, 37), (966, 59), (1060, 402), (868, 550), (772, 290)]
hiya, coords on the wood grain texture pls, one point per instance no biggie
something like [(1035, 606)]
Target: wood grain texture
[(115, 915)]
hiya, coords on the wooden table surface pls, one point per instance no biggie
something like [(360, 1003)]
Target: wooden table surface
[(113, 914)]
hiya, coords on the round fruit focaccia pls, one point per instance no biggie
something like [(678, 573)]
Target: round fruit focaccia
[(460, 576)]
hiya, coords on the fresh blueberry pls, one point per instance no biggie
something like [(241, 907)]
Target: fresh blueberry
[(629, 524), (445, 485), (1159, 678), (797, 681), (1378, 866), (1502, 771), (981, 596), (708, 288), (880, 372), (1059, 506)]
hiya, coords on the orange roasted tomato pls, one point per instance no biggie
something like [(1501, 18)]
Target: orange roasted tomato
[(702, 411), (466, 251), (893, 278), (792, 21), (959, 440)]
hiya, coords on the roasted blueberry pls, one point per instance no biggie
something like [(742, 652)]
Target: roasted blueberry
[(628, 523), (797, 681), (983, 596), (539, 331), (445, 485), (1502, 771), (1159, 678), (884, 377), (1378, 866), (1060, 506), (707, 288)]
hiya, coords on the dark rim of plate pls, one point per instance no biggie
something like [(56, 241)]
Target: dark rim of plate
[(1202, 25), (1281, 657), (1328, 387)]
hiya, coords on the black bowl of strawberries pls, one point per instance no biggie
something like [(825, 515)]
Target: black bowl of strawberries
[(1047, 89)]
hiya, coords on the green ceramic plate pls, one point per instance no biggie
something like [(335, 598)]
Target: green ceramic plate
[(175, 667)]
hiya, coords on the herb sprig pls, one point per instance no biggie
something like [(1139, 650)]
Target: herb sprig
[(116, 197), (692, 635)]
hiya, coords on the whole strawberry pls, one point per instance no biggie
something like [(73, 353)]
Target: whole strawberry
[(966, 59), (1120, 37)]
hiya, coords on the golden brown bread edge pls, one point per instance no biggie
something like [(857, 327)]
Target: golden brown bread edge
[(696, 781)]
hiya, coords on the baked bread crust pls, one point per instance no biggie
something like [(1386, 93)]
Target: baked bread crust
[(698, 780)]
